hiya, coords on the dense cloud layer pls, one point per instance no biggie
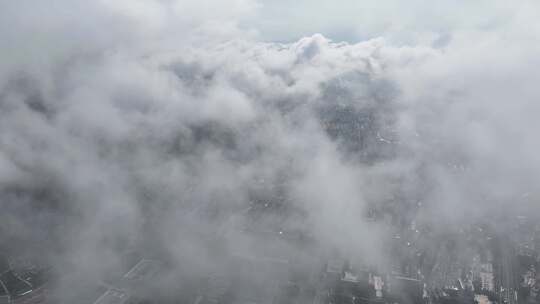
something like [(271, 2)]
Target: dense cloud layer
[(165, 114)]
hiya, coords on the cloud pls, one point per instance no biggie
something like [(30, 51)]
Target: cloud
[(155, 125)]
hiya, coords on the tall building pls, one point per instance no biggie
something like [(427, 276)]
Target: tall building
[(487, 279)]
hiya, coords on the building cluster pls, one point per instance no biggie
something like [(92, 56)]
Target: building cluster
[(345, 283), (273, 265), (338, 282), (528, 255)]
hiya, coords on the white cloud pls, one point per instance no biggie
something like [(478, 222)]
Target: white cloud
[(120, 112)]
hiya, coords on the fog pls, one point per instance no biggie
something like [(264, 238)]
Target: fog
[(152, 126)]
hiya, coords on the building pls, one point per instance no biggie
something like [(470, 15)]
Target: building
[(378, 283), (404, 290), (145, 268), (13, 287), (127, 290), (487, 279), (113, 296)]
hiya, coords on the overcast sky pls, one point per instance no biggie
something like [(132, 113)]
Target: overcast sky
[(403, 21)]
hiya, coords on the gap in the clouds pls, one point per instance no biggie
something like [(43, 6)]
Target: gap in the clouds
[(277, 33), (269, 33)]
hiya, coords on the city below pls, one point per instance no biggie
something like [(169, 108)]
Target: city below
[(472, 265)]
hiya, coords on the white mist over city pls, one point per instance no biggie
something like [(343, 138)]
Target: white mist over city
[(269, 152)]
